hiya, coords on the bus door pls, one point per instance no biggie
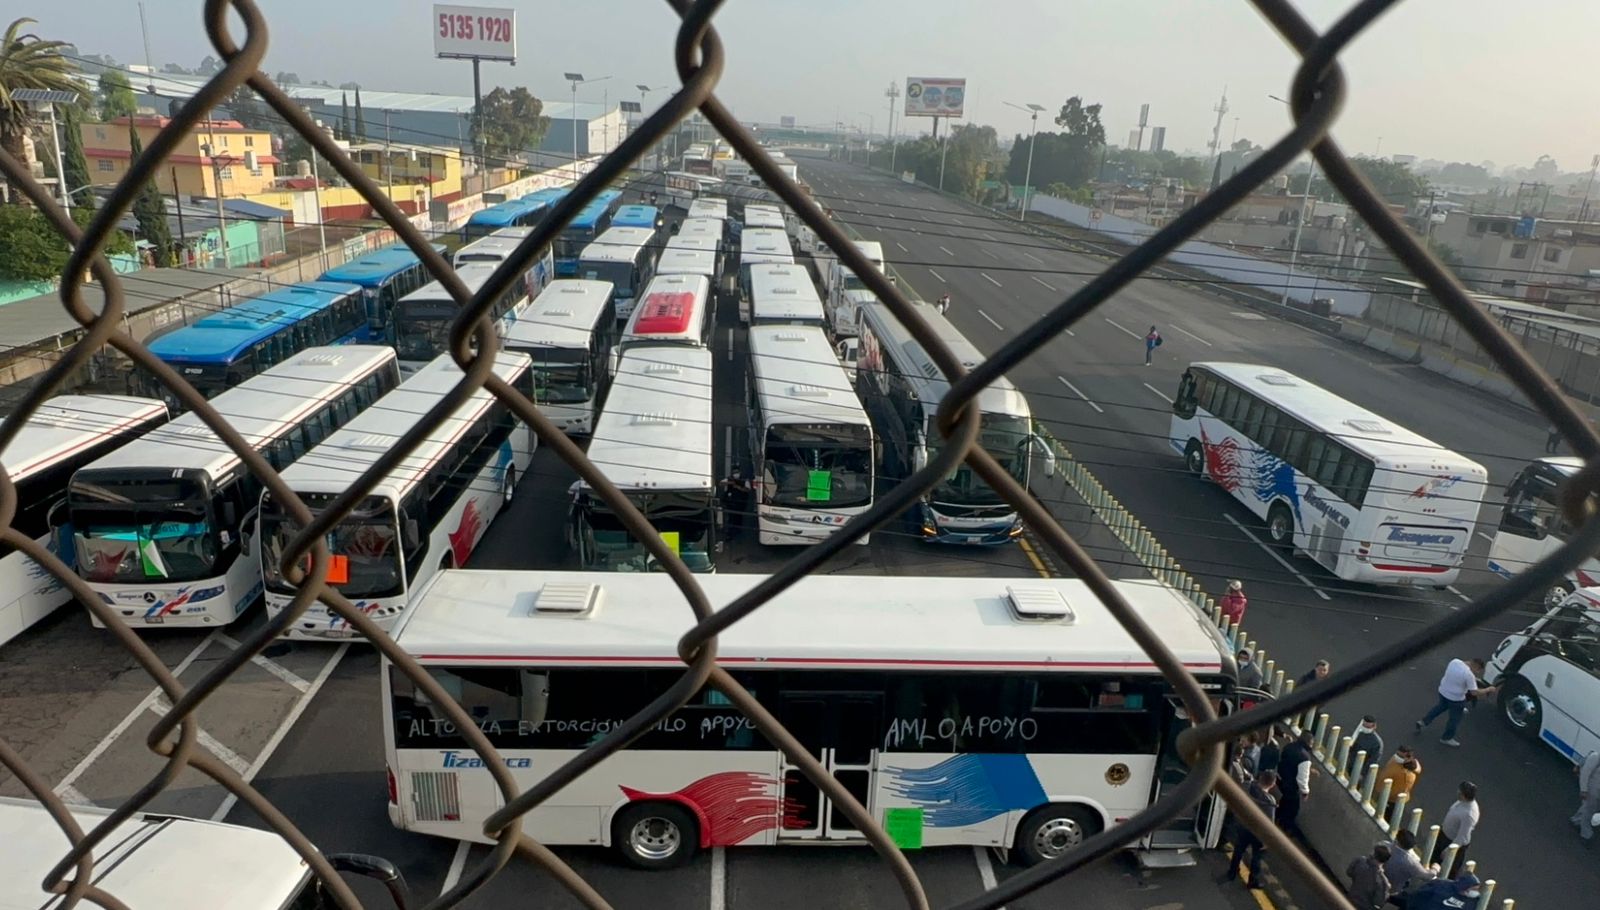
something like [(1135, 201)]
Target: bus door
[(1200, 826), (839, 729)]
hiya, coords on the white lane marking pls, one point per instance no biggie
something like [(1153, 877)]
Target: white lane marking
[(985, 869), (1033, 257), (213, 745), (1080, 394), (947, 251), (991, 320), (1486, 537), (890, 215), (271, 666), (991, 280), (289, 720), (457, 863), (990, 237), (127, 721), (1452, 590), (1043, 282), (1280, 560), (72, 796), (1158, 392), (958, 221), (1125, 331), (718, 898), (727, 338), (727, 451), (938, 276), (901, 246), (1194, 336)]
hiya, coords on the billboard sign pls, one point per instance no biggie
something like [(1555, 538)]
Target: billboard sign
[(935, 97), (786, 122), (475, 31)]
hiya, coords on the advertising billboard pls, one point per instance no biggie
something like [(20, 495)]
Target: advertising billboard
[(475, 31), (935, 97)]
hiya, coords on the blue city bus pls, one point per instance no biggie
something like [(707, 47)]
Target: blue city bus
[(384, 276), (638, 216), (225, 348), (548, 196), (511, 213), (578, 234)]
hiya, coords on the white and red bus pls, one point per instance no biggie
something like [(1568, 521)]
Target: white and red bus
[(673, 310)]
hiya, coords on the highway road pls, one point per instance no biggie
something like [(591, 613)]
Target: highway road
[(1091, 388)]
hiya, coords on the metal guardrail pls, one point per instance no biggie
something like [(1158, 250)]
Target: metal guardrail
[(1317, 93)]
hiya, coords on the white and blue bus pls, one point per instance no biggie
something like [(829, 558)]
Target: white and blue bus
[(163, 526), (384, 276), (639, 216), (511, 213), (624, 256), (570, 331), (65, 434), (423, 318), (902, 387), (497, 247), (1012, 713), (1364, 497), (1533, 525), (582, 230), (427, 514)]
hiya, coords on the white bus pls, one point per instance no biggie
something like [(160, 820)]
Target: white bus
[(624, 256), (1532, 526), (1549, 676), (674, 310), (1365, 498), (654, 441), (1000, 712), (713, 207), (782, 294), (763, 217), (688, 259), (427, 514), (703, 234), (810, 439), (756, 246), (845, 290), (423, 317), (901, 387), (163, 526), (494, 249), (171, 862), (570, 331), (65, 434)]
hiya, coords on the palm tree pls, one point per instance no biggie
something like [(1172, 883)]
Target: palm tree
[(26, 61)]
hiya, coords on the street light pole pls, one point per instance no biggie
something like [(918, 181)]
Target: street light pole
[(1299, 222), (891, 94), (577, 79), (1027, 181)]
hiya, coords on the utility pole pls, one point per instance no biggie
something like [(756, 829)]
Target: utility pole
[(183, 238), (1583, 212), (893, 94), (1299, 224), (1221, 108), (388, 160), (222, 223)]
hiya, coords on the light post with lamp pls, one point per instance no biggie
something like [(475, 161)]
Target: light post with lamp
[(51, 98), (1027, 181), (1299, 221), (577, 79)]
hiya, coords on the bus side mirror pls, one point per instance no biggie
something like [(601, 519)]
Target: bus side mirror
[(54, 518), (411, 532), (373, 867), (1046, 452)]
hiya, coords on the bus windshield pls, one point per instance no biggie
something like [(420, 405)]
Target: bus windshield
[(132, 530), (619, 274), (818, 466), (1005, 438), (607, 545), (422, 328), (365, 546)]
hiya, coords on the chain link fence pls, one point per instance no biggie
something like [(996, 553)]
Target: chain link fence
[(1318, 92)]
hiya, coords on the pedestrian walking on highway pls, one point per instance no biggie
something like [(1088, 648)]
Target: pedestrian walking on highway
[(1151, 342), (1369, 886), (943, 304), (1233, 603), (1401, 771), (1460, 820), (1588, 796), (1366, 740), (1403, 868), (1294, 769), (1263, 792), (1447, 894), (1318, 671), (1552, 440), (1460, 682), (1249, 673)]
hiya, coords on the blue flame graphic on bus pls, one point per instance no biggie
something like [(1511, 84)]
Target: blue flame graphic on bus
[(968, 789), (502, 462), (1268, 477)]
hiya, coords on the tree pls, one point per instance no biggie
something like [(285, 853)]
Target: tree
[(209, 66), (174, 69), (32, 250), (344, 117), (73, 159), (251, 110), (287, 78), (1244, 145), (1068, 157), (1082, 122), (116, 96), (1396, 183), (361, 119), (966, 162), (26, 61), (512, 122), (151, 210)]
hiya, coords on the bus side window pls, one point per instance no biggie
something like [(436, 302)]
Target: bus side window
[(1183, 403)]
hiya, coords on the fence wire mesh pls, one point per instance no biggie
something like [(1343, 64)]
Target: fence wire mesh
[(1318, 91)]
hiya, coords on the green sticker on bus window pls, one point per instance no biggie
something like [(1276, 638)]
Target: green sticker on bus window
[(904, 827), (819, 486), (670, 538)]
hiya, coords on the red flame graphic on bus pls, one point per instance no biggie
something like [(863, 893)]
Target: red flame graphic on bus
[(733, 806), (1222, 461), (466, 533)]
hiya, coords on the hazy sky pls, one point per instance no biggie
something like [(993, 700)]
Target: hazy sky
[(1452, 79)]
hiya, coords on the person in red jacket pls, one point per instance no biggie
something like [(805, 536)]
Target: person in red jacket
[(1234, 602)]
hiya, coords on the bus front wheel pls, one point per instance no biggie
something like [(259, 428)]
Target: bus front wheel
[(1048, 832), (1557, 593), (655, 835), (1195, 458), (1280, 526), (1520, 708)]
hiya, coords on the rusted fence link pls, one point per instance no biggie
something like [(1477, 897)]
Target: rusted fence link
[(1317, 94)]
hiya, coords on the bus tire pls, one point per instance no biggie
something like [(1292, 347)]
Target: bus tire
[(655, 835), (1194, 458), (508, 485), (1557, 593), (1049, 832), (1520, 708), (1280, 526)]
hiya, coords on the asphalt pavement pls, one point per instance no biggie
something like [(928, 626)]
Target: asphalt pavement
[(1091, 387)]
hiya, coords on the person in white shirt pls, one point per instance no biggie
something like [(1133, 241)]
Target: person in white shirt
[(1459, 683), (1460, 820), (1588, 795)]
